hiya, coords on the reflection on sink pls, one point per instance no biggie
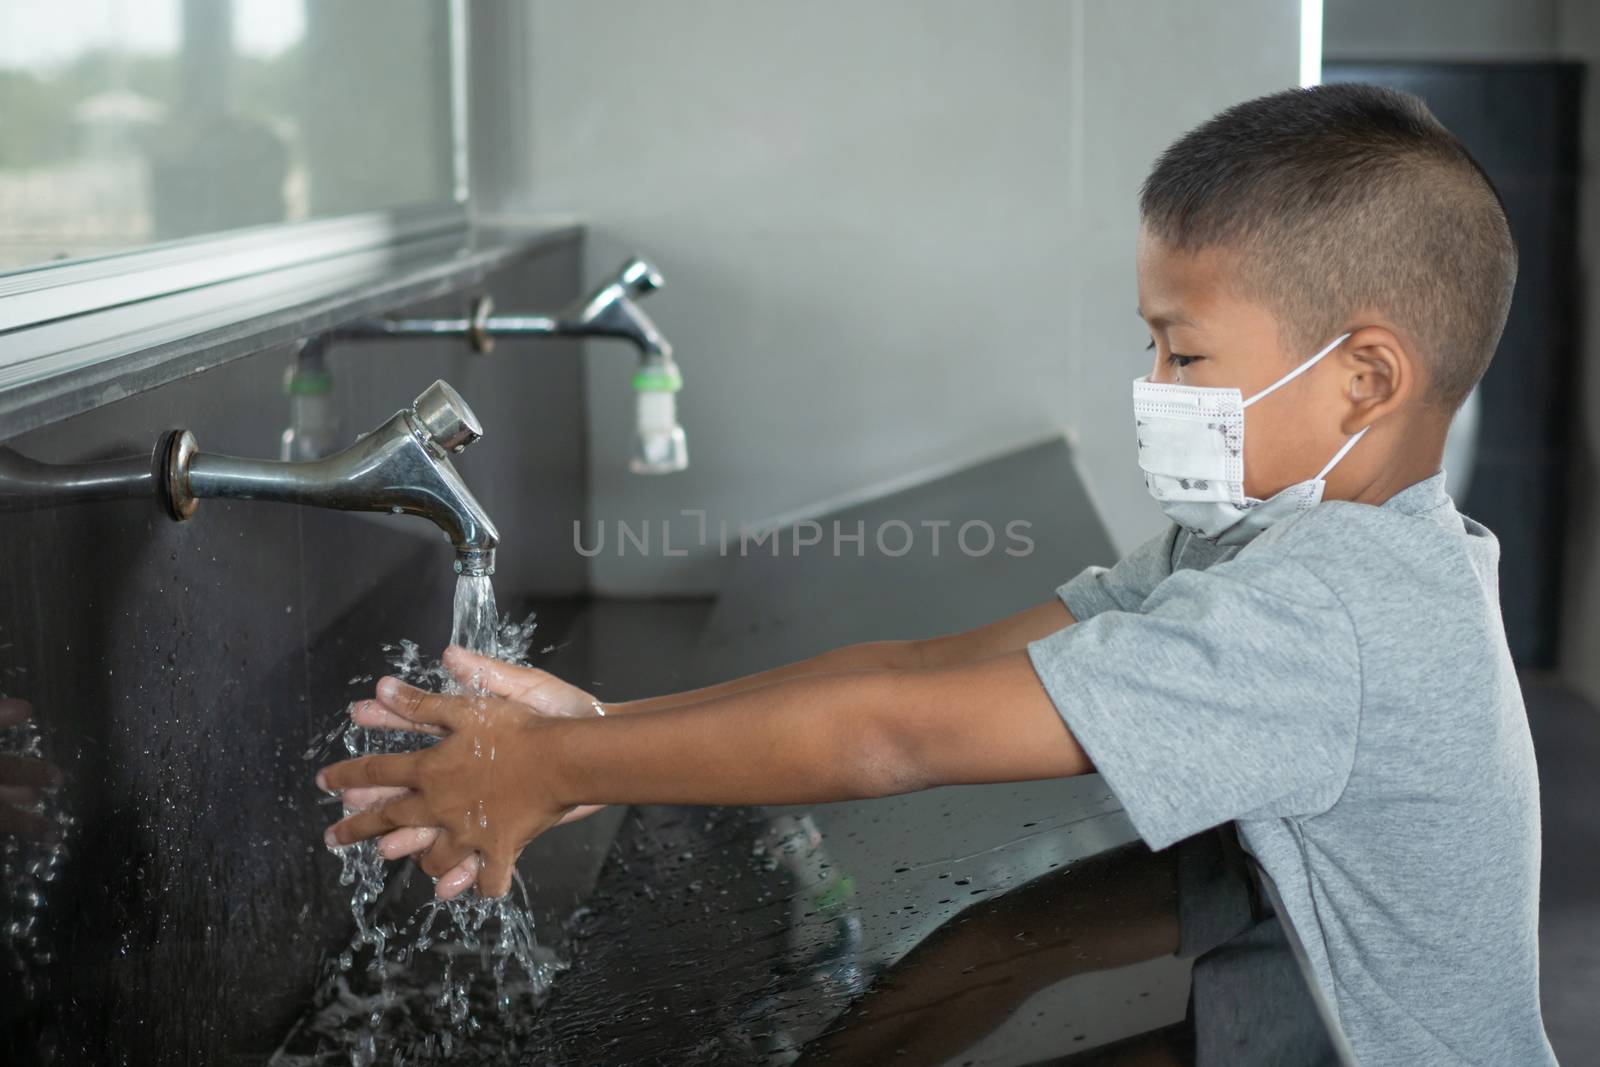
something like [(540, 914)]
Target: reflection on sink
[(775, 936)]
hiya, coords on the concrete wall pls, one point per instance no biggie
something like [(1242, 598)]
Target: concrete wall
[(898, 236)]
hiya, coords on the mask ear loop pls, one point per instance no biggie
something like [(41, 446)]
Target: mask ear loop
[(1301, 369), (1337, 456)]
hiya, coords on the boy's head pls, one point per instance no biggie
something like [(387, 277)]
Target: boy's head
[(1288, 220)]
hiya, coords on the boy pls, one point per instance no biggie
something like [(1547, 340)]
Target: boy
[(1313, 650)]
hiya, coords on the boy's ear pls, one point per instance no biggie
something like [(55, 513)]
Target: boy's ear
[(1382, 375)]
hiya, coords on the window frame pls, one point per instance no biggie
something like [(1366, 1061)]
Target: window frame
[(50, 292)]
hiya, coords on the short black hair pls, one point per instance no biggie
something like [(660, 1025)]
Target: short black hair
[(1339, 199)]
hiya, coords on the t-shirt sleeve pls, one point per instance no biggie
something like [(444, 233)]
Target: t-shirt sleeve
[(1235, 693), (1123, 587)]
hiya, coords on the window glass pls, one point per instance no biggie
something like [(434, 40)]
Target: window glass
[(125, 123)]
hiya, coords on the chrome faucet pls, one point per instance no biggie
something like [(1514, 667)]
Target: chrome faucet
[(403, 467), (610, 310)]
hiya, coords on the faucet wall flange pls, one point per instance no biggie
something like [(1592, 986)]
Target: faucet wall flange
[(478, 335), (176, 449)]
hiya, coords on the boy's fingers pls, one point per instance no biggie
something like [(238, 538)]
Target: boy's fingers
[(407, 841), (491, 675), (540, 690), (14, 712), (23, 796), (396, 769), (371, 796), (374, 716), (442, 858), (458, 879), (25, 823), (494, 880), (25, 770), (418, 705), (375, 821), (470, 668)]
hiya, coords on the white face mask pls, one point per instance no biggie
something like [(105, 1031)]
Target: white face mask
[(1191, 449)]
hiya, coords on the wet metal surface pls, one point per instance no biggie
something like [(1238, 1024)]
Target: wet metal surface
[(177, 672), (755, 936)]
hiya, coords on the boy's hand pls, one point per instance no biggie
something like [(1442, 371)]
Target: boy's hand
[(23, 780), (538, 690), (501, 776), (473, 786)]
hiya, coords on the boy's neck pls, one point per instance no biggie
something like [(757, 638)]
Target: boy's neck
[(1418, 455)]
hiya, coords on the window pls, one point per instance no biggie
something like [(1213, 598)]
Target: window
[(153, 146)]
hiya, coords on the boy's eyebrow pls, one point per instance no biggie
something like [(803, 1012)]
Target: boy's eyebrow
[(1158, 321)]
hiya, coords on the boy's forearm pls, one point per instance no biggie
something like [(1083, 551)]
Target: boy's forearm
[(787, 742), (1010, 634), (822, 738), (869, 656), (1006, 635)]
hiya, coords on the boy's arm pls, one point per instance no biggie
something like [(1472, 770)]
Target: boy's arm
[(802, 740), (1010, 634), (549, 695)]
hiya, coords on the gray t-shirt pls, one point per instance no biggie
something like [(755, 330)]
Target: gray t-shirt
[(1341, 688)]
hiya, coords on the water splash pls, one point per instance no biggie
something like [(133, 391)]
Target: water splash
[(29, 864), (451, 970)]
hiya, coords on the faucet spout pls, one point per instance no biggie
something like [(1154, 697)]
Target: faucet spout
[(402, 467), (611, 310)]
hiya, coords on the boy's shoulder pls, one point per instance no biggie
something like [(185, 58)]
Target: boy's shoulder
[(1416, 540)]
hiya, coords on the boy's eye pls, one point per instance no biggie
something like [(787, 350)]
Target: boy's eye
[(1174, 358)]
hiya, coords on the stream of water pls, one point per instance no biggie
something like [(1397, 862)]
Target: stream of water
[(456, 979), (475, 622)]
